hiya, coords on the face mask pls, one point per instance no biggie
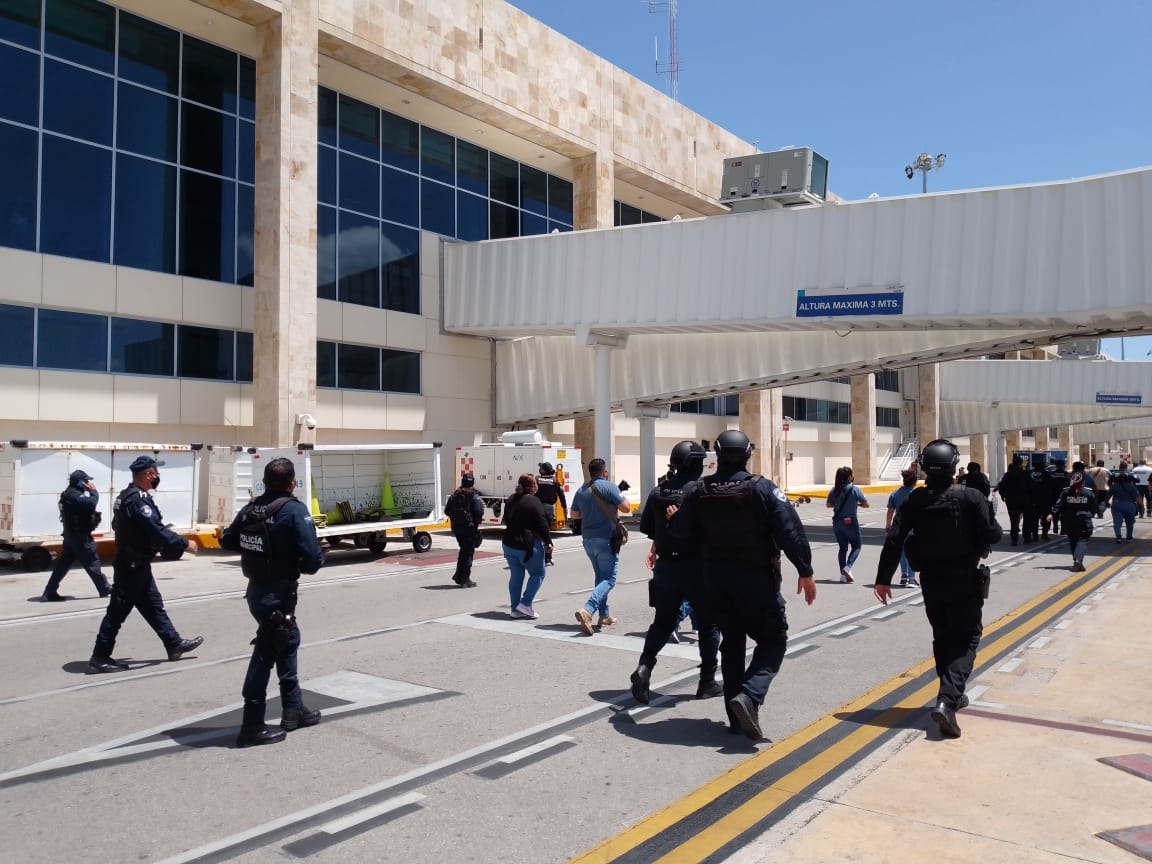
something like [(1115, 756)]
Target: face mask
[(155, 481)]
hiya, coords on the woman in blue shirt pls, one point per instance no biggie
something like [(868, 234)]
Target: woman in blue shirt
[(843, 501)]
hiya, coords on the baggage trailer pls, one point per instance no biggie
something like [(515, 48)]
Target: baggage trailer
[(34, 473), (356, 492), (496, 467)]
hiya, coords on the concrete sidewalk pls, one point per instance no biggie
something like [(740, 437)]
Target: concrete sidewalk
[(1029, 780)]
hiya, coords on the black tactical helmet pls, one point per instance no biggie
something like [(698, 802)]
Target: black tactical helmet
[(939, 458), (733, 447), (685, 453)]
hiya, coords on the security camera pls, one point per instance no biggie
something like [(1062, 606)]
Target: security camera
[(306, 420)]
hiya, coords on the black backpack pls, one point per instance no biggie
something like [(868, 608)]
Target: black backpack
[(458, 510), (256, 541), (940, 533)]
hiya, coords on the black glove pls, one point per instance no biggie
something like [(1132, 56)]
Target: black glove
[(624, 486)]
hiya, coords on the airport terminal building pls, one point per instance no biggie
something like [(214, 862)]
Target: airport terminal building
[(222, 221)]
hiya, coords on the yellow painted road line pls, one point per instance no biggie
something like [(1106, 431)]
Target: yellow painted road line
[(1004, 632)]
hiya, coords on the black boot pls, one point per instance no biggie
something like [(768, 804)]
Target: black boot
[(945, 717), (294, 718), (640, 679), (253, 736), (105, 664), (183, 647), (708, 686), (747, 716)]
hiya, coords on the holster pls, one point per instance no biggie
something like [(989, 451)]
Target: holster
[(985, 574), (273, 636)]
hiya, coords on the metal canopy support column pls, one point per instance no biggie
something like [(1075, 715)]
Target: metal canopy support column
[(996, 465), (647, 417), (604, 343)]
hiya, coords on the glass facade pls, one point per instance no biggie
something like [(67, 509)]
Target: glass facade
[(365, 367), (817, 410), (888, 380), (714, 406), (626, 214), (889, 417), (384, 178), (83, 342), (143, 140)]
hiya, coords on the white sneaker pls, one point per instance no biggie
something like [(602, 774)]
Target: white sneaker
[(526, 611)]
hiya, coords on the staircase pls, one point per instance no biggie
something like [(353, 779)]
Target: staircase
[(905, 455)]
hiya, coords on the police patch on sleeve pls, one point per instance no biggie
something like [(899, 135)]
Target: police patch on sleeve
[(776, 491), (145, 510)]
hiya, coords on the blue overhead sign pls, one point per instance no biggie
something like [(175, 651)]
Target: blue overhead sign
[(1119, 399), (831, 305)]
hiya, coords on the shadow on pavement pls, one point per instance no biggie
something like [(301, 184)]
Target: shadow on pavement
[(686, 732), (80, 667), (886, 718)]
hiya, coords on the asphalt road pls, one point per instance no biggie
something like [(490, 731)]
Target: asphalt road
[(451, 733)]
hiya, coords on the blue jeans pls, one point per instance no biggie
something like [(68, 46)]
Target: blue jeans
[(604, 565), (263, 600), (906, 571), (848, 536), (1123, 516), (534, 569)]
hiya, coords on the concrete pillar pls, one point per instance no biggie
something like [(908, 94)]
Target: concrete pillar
[(603, 416), (1086, 455), (647, 454), (762, 420), (994, 444), (1042, 438), (593, 192), (863, 389), (584, 437), (284, 343), (928, 403), (978, 452), (1066, 441), (1011, 442)]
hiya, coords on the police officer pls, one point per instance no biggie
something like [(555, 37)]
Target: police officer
[(1013, 489), (677, 575), (1075, 507), (276, 539), (1057, 482), (139, 528), (79, 516), (1039, 500), (953, 530), (549, 492), (465, 511), (743, 521)]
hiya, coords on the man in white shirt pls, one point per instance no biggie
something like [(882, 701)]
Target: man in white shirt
[(1140, 474)]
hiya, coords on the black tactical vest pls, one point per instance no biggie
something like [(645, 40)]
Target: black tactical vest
[(734, 523), (942, 531), (546, 491), (76, 519), (664, 496), (132, 537)]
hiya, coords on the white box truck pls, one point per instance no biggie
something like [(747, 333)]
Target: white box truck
[(357, 492), (34, 473), (497, 465)]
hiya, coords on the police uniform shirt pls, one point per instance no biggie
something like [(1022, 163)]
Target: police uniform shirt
[(1069, 504), (985, 532), (654, 519), (292, 535), (77, 507), (139, 525)]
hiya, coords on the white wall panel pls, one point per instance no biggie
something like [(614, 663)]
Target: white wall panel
[(1056, 381), (971, 418)]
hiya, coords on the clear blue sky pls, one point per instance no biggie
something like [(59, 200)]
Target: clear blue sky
[(1013, 91)]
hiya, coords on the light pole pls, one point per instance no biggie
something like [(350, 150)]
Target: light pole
[(924, 163)]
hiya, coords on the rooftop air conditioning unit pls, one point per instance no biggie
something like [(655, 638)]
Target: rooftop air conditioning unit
[(783, 178)]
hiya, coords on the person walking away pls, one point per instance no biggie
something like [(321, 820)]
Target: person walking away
[(79, 517), (1124, 497), (1057, 480), (277, 541), (1038, 505), (1140, 476), (977, 479), (139, 528), (550, 490), (677, 577), (1076, 506), (896, 500), (527, 542), (742, 522), (465, 512), (843, 501), (1013, 489), (951, 530), (1099, 475), (596, 507)]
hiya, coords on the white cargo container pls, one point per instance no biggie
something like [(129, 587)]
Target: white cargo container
[(496, 466), (34, 473), (385, 487)]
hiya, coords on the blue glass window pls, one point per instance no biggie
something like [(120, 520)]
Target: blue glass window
[(437, 208), (205, 352), (503, 221), (145, 214), (83, 31), (149, 54), (531, 224), (72, 340), (437, 155), (146, 123), (20, 22), (20, 94), (325, 364), (359, 184), (471, 168), (75, 200), (471, 217), (143, 347), (209, 75), (16, 332), (326, 253), (358, 367), (208, 140), (534, 190), (207, 227), (243, 356), (326, 109), (358, 259), (558, 226), (401, 371), (78, 102), (401, 142), (245, 234), (560, 200), (359, 128), (326, 170), (246, 152), (400, 197), (504, 181), (628, 215), (18, 186), (400, 257), (247, 88)]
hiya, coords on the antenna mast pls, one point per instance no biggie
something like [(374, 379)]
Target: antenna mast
[(672, 66)]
